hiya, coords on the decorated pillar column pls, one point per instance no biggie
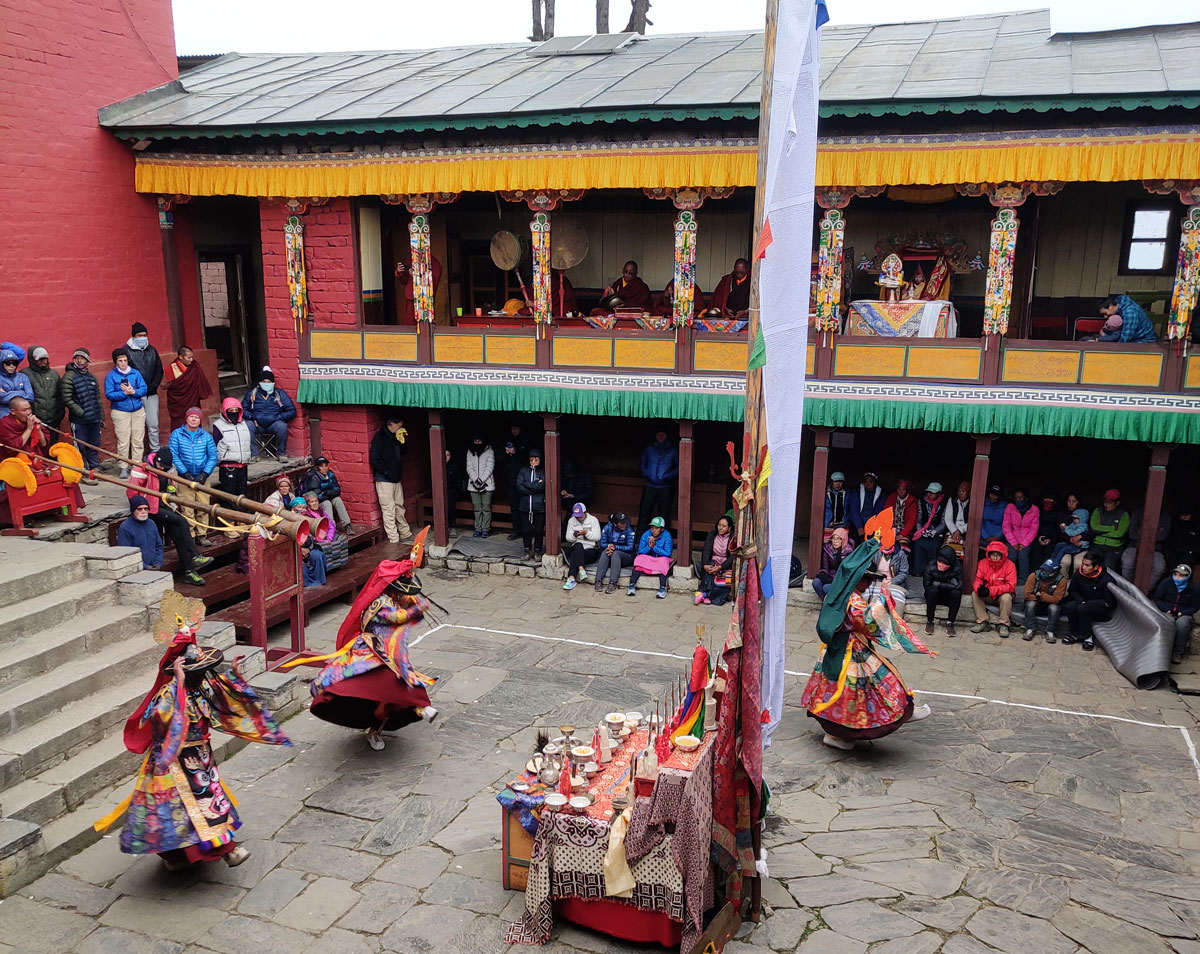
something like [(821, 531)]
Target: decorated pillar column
[(684, 277), (1187, 277), (542, 202), (829, 271), (1002, 251), (297, 276), (422, 272)]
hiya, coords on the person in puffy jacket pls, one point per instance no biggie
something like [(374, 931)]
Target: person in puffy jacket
[(125, 387), (531, 498), (269, 409), (81, 395), (143, 356), (1090, 599), (865, 502), (943, 587), (1045, 589), (1020, 527), (172, 525), (994, 507), (995, 584), (13, 383), (660, 466), (195, 454), (833, 552), (481, 483), (617, 544), (653, 556), (1179, 598), (47, 388), (324, 482), (234, 448)]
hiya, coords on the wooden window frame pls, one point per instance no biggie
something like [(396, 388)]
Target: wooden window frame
[(1134, 206)]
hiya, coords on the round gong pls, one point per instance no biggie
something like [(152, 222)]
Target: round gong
[(568, 243), (505, 250)]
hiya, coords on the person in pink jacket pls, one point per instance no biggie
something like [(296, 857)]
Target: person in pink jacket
[(1020, 530)]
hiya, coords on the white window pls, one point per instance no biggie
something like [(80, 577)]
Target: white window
[(1151, 235)]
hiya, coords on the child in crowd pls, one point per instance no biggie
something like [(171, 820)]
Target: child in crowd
[(1076, 543)]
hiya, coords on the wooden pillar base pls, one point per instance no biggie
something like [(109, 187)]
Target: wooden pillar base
[(553, 465), (979, 487), (437, 470), (816, 524), (683, 522), (1156, 483)]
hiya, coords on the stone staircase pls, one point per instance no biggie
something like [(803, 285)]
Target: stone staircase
[(77, 655)]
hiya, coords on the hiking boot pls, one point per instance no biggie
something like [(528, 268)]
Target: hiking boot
[(1028, 635), (194, 578), (1003, 630), (929, 629), (484, 534), (1050, 637), (528, 555), (1088, 645), (599, 585), (201, 562), (981, 626), (611, 588), (203, 542)]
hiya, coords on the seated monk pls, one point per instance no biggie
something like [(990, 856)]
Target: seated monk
[(633, 292), (408, 310), (21, 431), (562, 295), (732, 295), (666, 301)]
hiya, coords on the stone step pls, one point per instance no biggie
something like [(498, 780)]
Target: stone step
[(39, 698), (38, 747), (38, 653), (34, 614), (69, 784), (29, 575)]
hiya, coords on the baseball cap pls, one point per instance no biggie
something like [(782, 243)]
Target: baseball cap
[(620, 517), (934, 487), (658, 522), (1112, 494), (837, 475), (578, 510), (38, 353), (320, 460), (1048, 566), (1183, 570), (995, 489)]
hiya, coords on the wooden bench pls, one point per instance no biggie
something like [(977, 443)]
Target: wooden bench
[(226, 585), (344, 583)]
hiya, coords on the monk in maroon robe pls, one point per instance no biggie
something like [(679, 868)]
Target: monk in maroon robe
[(666, 301), (732, 295), (408, 310), (633, 292), (562, 295), (186, 386), (20, 430)]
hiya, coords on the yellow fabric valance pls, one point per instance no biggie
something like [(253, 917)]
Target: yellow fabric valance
[(1098, 156)]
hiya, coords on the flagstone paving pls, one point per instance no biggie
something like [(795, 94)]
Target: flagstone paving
[(989, 827)]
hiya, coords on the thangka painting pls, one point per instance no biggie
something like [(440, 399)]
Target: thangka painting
[(685, 268), (422, 269), (297, 282)]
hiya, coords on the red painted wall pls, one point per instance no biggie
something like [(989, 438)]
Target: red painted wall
[(81, 256), (332, 290)]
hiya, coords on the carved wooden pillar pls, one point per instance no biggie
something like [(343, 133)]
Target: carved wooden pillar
[(542, 202), (979, 488), (820, 477), (1156, 482), (166, 227), (420, 205), (437, 468), (1002, 250), (553, 465)]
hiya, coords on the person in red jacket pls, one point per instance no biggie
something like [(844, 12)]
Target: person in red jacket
[(904, 510), (995, 583)]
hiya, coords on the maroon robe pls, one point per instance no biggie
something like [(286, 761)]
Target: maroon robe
[(10, 434), (635, 294), (562, 295), (187, 388), (408, 309), (665, 307), (731, 297)]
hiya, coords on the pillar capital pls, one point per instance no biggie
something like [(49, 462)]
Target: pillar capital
[(542, 200), (419, 202), (689, 198), (1188, 190), (1009, 195), (838, 197)]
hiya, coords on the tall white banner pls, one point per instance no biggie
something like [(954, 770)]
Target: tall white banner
[(790, 181)]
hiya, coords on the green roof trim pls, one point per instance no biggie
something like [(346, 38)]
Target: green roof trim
[(840, 110)]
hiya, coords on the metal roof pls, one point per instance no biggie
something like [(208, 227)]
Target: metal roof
[(1003, 61)]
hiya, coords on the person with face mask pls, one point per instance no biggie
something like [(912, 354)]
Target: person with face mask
[(234, 449), (125, 387), (47, 389), (268, 408), (144, 356), (1090, 600), (1045, 589), (481, 483), (1179, 598), (13, 383), (1020, 525)]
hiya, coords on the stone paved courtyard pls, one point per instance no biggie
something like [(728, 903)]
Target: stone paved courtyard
[(1047, 807)]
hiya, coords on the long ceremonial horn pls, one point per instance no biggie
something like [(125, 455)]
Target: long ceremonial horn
[(297, 528), (316, 525)]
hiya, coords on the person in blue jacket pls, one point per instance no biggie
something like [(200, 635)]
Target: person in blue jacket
[(138, 530), (617, 543), (864, 503), (653, 556), (195, 454), (1135, 326), (660, 466), (13, 383), (992, 527), (125, 387), (268, 409)]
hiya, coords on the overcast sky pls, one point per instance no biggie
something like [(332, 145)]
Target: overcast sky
[(303, 26)]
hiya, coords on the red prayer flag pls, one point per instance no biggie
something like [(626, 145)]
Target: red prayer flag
[(765, 238)]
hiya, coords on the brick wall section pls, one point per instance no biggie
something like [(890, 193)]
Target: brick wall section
[(332, 290), (346, 434), (81, 254)]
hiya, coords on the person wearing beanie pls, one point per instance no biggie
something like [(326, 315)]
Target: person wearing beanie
[(581, 544), (268, 408), (195, 454), (1045, 589), (81, 394), (125, 388), (531, 491), (943, 587), (1178, 596), (13, 383), (168, 520), (144, 356), (138, 530), (386, 456)]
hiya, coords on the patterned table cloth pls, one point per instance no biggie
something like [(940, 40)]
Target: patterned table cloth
[(567, 860), (903, 319)]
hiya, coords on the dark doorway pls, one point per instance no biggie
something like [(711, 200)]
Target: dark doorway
[(223, 291)]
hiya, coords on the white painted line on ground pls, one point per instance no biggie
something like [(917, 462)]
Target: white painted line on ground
[(1187, 738)]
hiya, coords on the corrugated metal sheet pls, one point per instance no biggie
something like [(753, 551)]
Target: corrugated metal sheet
[(1004, 56)]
